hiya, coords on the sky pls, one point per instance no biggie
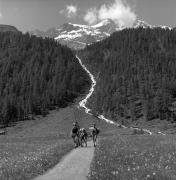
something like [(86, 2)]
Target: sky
[(29, 15)]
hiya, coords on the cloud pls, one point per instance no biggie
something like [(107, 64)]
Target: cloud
[(70, 11), (91, 16), (119, 11), (1, 15)]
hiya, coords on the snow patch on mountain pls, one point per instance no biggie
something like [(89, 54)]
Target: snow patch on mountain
[(102, 23), (83, 33), (166, 27), (141, 23)]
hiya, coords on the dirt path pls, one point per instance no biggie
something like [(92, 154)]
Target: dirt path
[(74, 166)]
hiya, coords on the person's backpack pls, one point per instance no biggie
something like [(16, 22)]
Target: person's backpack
[(98, 130), (75, 130)]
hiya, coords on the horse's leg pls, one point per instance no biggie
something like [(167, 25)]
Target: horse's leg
[(86, 141), (94, 140), (78, 143), (77, 140), (81, 142), (74, 140)]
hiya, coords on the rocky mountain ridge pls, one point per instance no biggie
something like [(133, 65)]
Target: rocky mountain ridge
[(77, 36)]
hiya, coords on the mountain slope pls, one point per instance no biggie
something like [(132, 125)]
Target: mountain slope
[(35, 76), (50, 33), (136, 74), (8, 28)]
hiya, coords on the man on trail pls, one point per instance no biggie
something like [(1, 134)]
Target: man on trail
[(75, 134), (77, 125), (94, 131)]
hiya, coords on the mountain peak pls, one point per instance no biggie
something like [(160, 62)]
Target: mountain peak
[(141, 23), (77, 36), (104, 22)]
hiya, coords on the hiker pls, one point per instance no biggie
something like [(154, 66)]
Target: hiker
[(83, 136), (75, 134), (94, 132), (77, 125)]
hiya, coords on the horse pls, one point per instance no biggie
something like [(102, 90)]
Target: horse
[(83, 136)]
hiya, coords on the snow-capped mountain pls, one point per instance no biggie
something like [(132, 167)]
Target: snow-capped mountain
[(78, 36)]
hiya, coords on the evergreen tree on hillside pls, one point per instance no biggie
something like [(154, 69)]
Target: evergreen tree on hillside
[(35, 76), (137, 74)]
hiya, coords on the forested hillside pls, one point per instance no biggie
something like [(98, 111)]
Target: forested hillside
[(136, 74), (35, 76)]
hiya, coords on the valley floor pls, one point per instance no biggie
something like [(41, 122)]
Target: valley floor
[(32, 147)]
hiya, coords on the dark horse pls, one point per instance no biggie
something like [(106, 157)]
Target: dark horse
[(83, 137)]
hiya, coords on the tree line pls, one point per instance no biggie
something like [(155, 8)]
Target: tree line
[(136, 74), (36, 75)]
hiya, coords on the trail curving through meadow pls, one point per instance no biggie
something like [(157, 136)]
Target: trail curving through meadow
[(82, 103)]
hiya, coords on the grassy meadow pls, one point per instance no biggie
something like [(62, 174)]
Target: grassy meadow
[(30, 148), (25, 160), (124, 156)]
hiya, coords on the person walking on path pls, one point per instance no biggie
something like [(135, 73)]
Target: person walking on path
[(94, 132), (75, 134)]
